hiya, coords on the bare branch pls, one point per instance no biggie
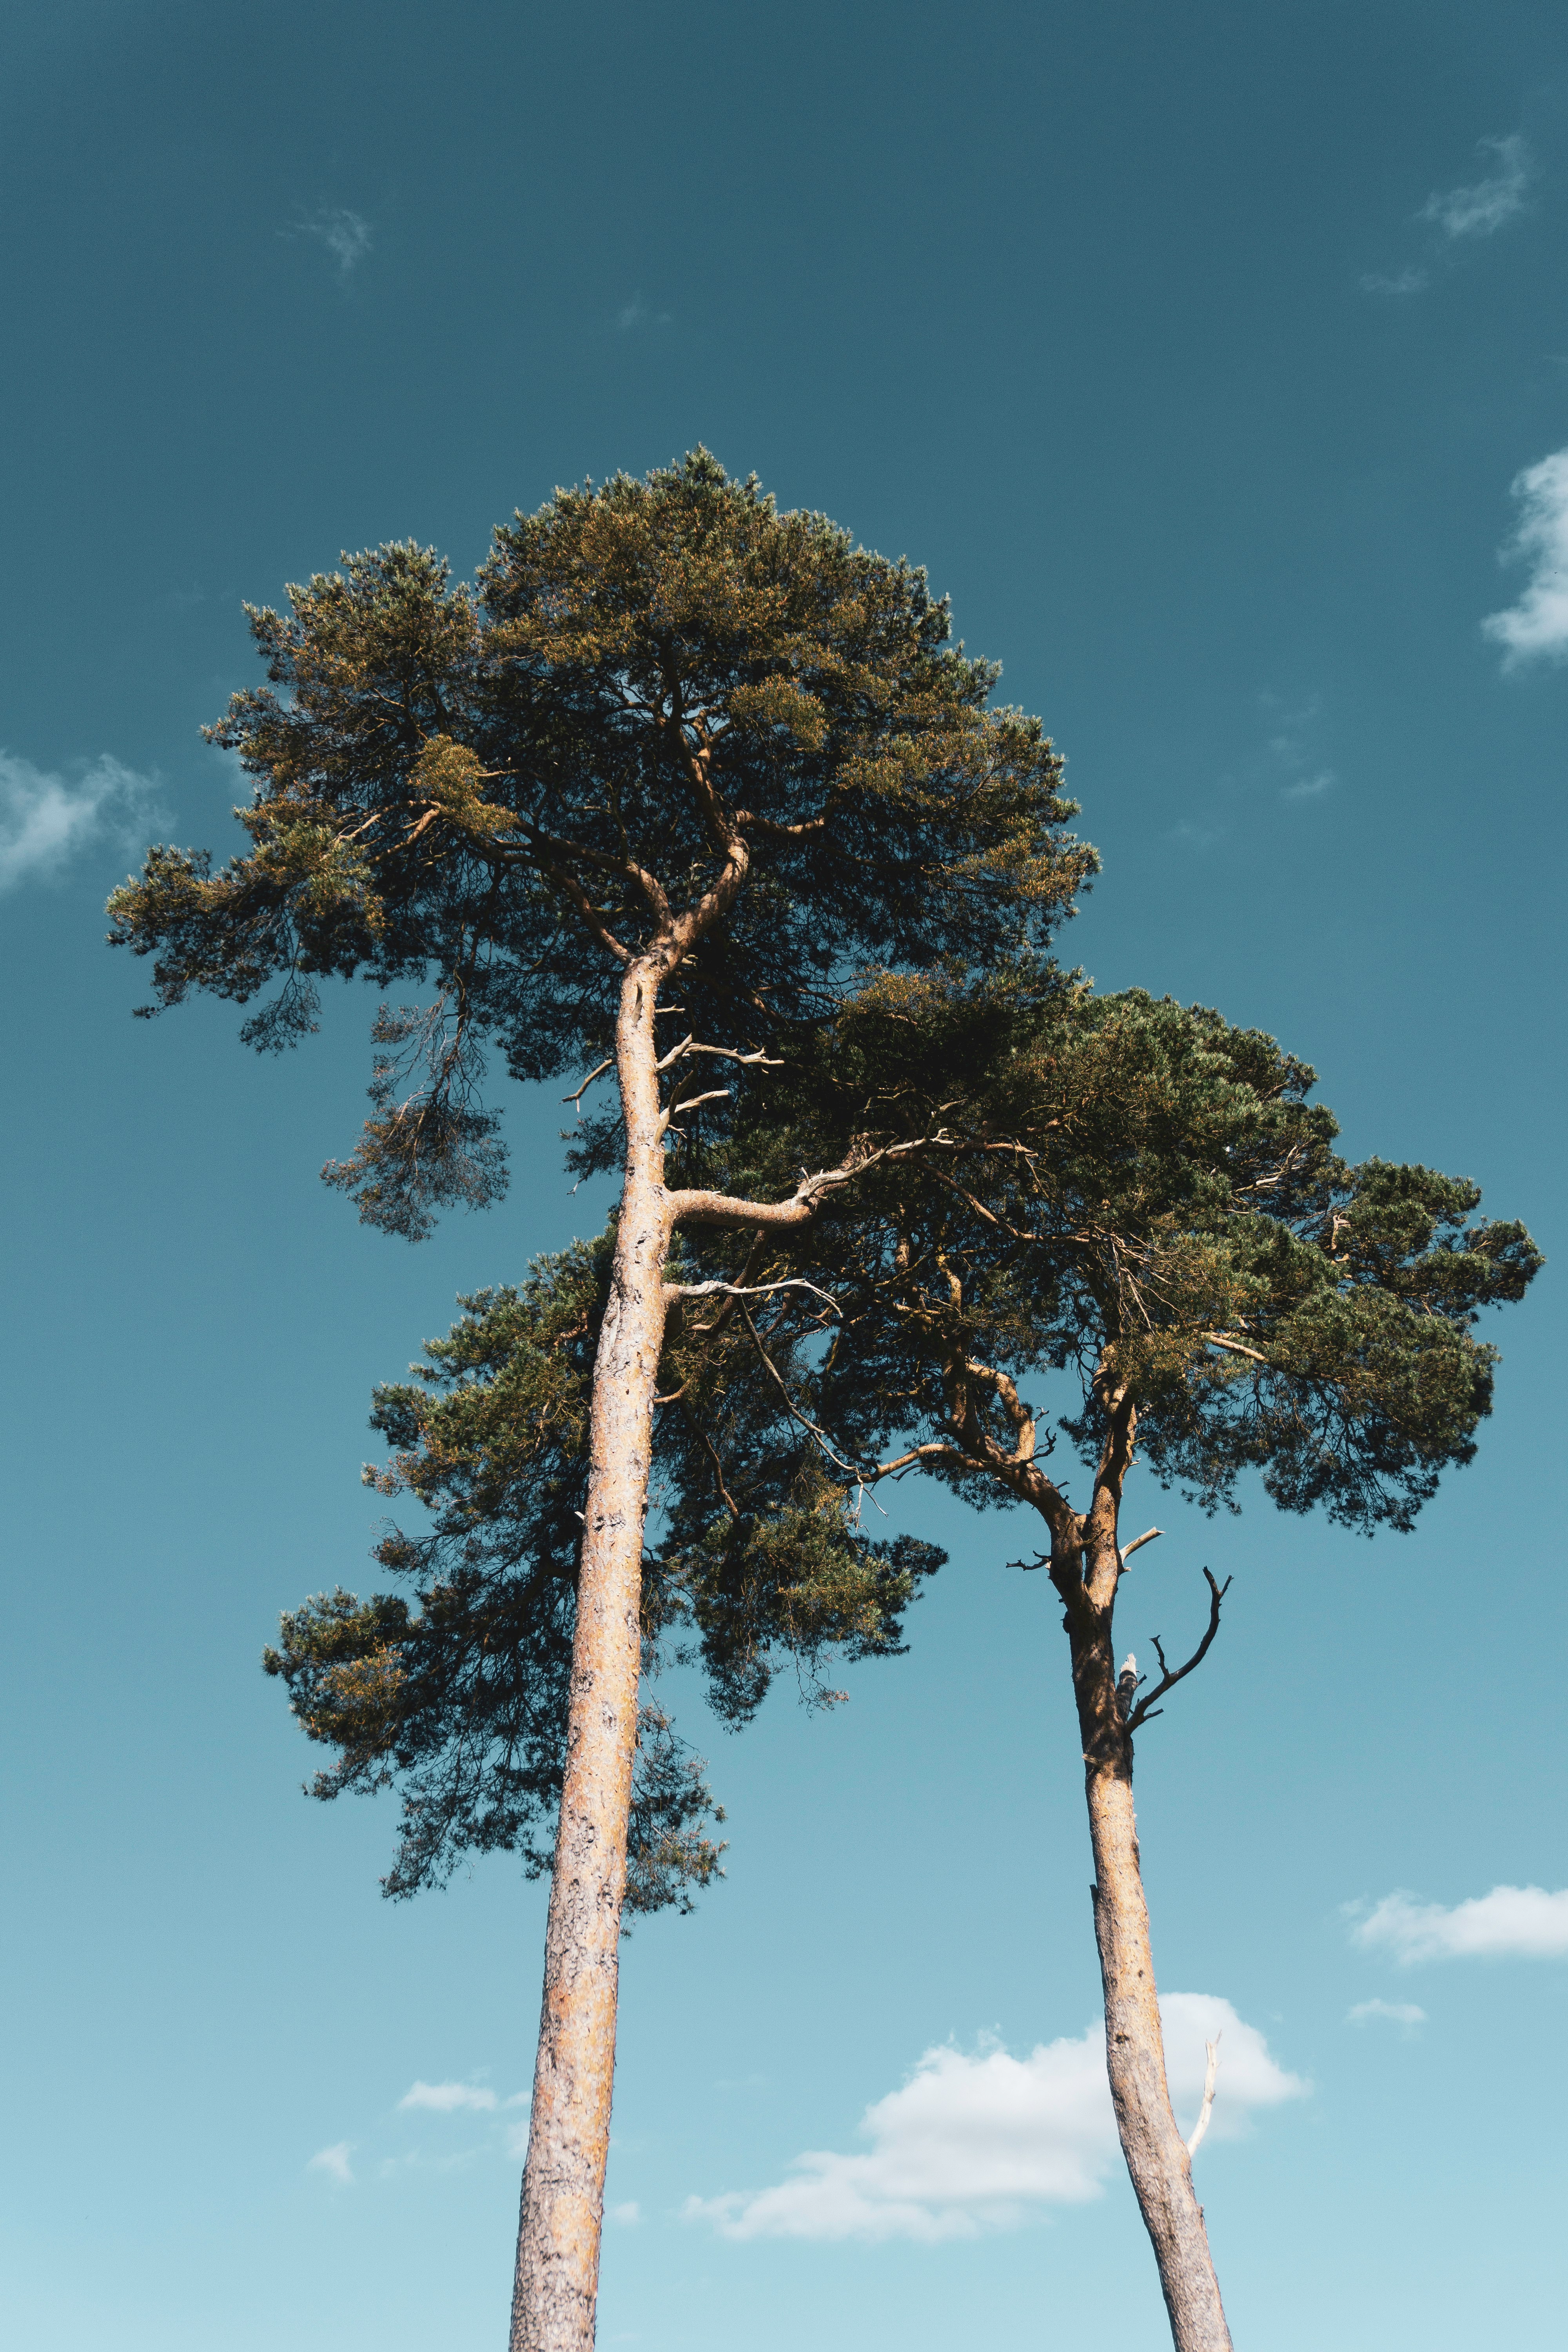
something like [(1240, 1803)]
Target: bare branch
[(1219, 1339), (589, 1080), (1168, 1680), (1210, 2072), (682, 1291), (689, 1102), (755, 1060), (1137, 1545), (704, 1208)]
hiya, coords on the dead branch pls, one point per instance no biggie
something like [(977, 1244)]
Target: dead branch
[(1137, 1544), (1168, 1680), (757, 1059), (589, 1080), (1210, 2073), (682, 1290), (1219, 1339)]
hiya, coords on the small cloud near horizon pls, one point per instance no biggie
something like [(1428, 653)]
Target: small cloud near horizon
[(976, 2141), (46, 818), (335, 2162), (1511, 1923), (1537, 625)]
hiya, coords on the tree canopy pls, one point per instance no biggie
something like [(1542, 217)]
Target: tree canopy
[(663, 711), (1139, 1197)]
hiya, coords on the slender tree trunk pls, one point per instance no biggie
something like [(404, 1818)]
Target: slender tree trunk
[(1157, 2154), (568, 2129)]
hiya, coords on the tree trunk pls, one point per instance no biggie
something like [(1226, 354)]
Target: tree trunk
[(568, 2129), (1157, 2154)]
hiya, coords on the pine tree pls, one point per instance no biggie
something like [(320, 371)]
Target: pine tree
[(671, 736), (1137, 1203)]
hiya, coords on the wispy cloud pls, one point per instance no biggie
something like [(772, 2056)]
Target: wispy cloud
[(628, 2215), (1487, 204), (1293, 750), (335, 2162), (46, 818), (1460, 216), (636, 313), (1404, 281), (1538, 623), (347, 235), (976, 2141), (1397, 2012), (1511, 1922), (447, 2098)]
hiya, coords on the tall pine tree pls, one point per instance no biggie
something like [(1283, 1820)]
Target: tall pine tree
[(671, 738), (1135, 1207)]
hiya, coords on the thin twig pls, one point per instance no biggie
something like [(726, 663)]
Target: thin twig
[(794, 1410)]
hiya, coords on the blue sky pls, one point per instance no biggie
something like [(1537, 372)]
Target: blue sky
[(1215, 359)]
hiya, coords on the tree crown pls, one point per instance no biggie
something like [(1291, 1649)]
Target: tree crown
[(1139, 1195), (666, 721)]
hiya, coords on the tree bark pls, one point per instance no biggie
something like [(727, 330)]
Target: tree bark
[(1156, 2155), (557, 2273)]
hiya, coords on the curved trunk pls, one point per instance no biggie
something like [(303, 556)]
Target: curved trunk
[(569, 2128), (1155, 2151)]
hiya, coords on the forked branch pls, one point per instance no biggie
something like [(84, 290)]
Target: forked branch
[(1170, 1677)]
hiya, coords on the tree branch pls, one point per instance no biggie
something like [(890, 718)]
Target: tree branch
[(1168, 1680), (589, 1080), (1137, 1545), (1219, 1339), (794, 1410), (757, 1060), (682, 1291), (1210, 2072)]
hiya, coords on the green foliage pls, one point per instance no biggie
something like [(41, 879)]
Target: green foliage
[(1137, 1196), (459, 1695), (651, 686)]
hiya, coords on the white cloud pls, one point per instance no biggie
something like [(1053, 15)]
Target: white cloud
[(445, 2098), (628, 2215), (1538, 623), (1398, 2013), (1511, 1922), (1481, 210), (45, 818), (345, 235), (1309, 788), (973, 2142), (335, 2162)]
